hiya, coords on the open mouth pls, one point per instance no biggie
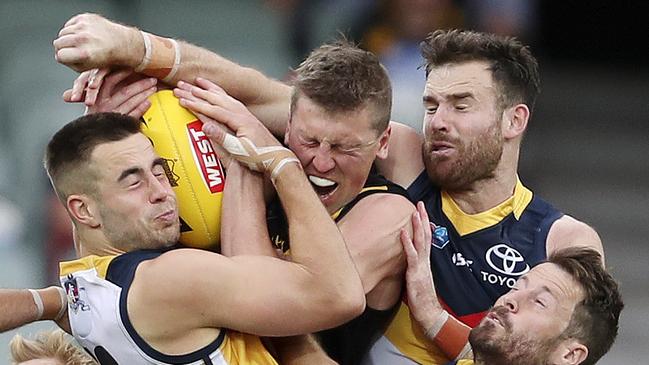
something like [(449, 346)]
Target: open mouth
[(323, 187), (496, 319)]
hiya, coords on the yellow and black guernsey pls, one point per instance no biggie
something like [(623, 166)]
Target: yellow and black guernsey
[(348, 343), (97, 289), (475, 258)]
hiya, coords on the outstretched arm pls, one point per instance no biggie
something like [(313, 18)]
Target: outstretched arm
[(19, 307), (89, 41), (445, 331)]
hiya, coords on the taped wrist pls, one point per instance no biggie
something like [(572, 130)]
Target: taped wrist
[(450, 335), (269, 159), (40, 308), (64, 303), (161, 57)]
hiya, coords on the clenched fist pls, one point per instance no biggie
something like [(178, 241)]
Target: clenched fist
[(89, 41)]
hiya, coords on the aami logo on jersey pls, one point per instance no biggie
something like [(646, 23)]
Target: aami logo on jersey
[(205, 158), (505, 260)]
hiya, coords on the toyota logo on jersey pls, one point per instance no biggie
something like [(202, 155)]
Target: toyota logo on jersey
[(506, 260)]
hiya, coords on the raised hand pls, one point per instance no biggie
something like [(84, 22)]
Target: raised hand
[(89, 41), (422, 300), (86, 86), (125, 92)]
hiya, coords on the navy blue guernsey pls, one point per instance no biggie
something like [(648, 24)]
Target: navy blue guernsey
[(477, 258)]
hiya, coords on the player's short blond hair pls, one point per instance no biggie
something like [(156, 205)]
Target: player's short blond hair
[(54, 344)]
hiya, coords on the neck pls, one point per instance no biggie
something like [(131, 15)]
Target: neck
[(487, 193), (90, 243)]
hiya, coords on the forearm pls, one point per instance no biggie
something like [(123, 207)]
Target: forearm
[(243, 224), (316, 242), (313, 234), (267, 99), (18, 307)]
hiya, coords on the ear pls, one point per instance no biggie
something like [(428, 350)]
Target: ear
[(570, 352), (384, 141), (515, 121), (83, 209)]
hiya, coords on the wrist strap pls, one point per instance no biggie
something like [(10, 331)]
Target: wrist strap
[(269, 159), (147, 53), (161, 57), (39, 303), (450, 335), (437, 326), (64, 303)]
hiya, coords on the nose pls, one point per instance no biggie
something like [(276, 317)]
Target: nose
[(510, 302), (159, 189), (323, 160), (438, 121)]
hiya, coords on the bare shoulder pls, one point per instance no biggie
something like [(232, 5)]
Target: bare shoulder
[(568, 231), (378, 209), (404, 162), (374, 218)]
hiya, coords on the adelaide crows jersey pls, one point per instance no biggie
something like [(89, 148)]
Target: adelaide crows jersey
[(475, 258), (347, 343), (97, 289)]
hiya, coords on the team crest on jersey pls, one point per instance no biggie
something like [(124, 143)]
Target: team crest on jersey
[(74, 299), (440, 236)]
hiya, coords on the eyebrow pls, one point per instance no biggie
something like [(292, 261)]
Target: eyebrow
[(138, 170), (456, 96), (544, 288), (461, 95)]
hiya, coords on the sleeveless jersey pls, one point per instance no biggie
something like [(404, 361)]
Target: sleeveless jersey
[(474, 259), (97, 289), (348, 343)]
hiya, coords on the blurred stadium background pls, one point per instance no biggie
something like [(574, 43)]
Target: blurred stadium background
[(585, 150)]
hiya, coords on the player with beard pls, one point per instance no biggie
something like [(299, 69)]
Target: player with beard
[(563, 311), (491, 229)]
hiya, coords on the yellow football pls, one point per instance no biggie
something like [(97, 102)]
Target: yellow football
[(192, 166)]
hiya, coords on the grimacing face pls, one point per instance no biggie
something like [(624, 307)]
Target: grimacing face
[(463, 140), (336, 150), (137, 206), (526, 324)]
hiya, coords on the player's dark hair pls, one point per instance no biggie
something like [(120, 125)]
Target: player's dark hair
[(594, 321), (514, 69), (70, 148)]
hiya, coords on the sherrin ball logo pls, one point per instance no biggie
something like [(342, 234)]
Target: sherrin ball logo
[(192, 162)]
